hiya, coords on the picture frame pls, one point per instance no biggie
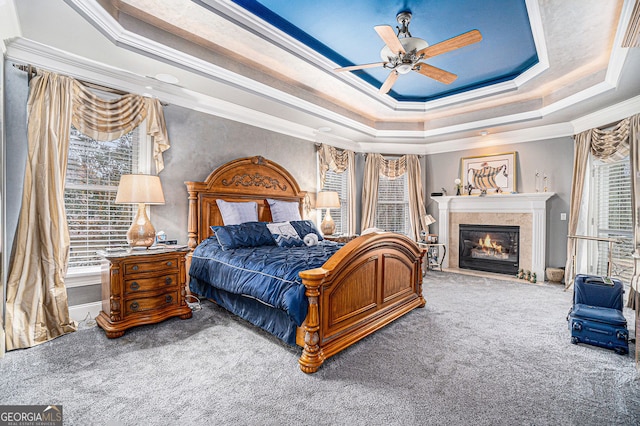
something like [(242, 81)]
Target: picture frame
[(488, 174)]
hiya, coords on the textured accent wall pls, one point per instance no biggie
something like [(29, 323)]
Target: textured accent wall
[(201, 142)]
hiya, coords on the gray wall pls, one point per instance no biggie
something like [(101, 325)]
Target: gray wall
[(554, 157), (201, 142)]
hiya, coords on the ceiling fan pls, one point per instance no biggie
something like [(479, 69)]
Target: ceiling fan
[(403, 53)]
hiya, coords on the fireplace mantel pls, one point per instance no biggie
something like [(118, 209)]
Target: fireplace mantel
[(534, 204)]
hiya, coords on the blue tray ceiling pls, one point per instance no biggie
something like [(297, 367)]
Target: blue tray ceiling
[(343, 32)]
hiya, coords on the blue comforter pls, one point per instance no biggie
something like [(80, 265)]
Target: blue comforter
[(268, 274)]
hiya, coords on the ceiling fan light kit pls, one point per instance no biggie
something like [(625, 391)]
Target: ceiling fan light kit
[(403, 53)]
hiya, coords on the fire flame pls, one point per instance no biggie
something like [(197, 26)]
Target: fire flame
[(487, 244)]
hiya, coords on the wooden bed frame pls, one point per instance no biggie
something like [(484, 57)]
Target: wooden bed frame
[(373, 280)]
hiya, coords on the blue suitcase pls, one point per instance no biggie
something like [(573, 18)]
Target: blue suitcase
[(596, 316)]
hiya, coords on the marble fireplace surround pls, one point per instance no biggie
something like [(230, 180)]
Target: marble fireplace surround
[(528, 211)]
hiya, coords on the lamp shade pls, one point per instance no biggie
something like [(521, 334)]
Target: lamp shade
[(134, 189), (327, 199), (428, 219)]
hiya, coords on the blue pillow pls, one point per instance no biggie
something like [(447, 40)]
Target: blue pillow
[(285, 235), (284, 211), (249, 234), (304, 227), (236, 213)]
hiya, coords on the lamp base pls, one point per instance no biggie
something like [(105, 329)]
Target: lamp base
[(141, 234), (328, 226)]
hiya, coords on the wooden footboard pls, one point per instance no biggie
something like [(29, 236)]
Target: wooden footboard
[(368, 283), (371, 281)]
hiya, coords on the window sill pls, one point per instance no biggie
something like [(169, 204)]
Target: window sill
[(79, 277)]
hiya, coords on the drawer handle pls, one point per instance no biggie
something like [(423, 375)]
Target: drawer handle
[(169, 263), (168, 298), (134, 306), (135, 267), (135, 286), (168, 280)]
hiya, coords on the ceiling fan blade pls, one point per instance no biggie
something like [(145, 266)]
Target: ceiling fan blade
[(386, 86), (436, 73), (359, 67), (389, 37), (453, 43)]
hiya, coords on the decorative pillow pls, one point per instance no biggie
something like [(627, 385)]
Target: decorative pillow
[(285, 235), (304, 227), (310, 239), (284, 211), (236, 213), (249, 234)]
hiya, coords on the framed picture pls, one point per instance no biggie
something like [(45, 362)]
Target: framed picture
[(489, 174)]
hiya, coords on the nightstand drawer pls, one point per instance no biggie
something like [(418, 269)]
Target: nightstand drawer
[(168, 265), (147, 284), (145, 304)]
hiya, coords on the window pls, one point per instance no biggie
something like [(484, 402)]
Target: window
[(611, 218), (392, 212), (93, 173), (339, 182)]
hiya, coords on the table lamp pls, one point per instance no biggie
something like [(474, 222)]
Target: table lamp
[(426, 221), (328, 200), (141, 190)]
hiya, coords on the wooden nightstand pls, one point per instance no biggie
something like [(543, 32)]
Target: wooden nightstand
[(141, 287), (340, 238)]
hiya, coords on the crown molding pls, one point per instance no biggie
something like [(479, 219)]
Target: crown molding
[(369, 139), (608, 115)]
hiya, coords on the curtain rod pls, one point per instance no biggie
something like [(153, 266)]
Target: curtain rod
[(32, 71)]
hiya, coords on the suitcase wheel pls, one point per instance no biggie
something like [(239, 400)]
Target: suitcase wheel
[(575, 340), (620, 351)]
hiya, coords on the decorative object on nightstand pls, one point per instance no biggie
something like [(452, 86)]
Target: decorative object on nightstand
[(328, 200), (425, 236), (140, 190), (141, 287)]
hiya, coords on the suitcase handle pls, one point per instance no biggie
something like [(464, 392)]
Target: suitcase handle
[(599, 280)]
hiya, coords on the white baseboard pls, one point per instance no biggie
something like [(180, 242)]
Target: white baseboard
[(79, 313)]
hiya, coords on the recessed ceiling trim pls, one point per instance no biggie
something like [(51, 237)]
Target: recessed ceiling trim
[(607, 115), (258, 26), (619, 53), (531, 134), (108, 26)]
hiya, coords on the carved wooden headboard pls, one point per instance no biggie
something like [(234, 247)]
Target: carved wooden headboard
[(244, 179)]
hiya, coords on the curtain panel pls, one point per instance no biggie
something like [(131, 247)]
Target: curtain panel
[(375, 166), (339, 161), (37, 307), (607, 145)]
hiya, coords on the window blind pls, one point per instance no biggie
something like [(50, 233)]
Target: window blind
[(392, 212), (93, 172), (339, 182), (612, 216)]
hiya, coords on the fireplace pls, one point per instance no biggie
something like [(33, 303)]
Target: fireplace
[(490, 248)]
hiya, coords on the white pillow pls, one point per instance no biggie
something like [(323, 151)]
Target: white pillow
[(285, 235), (237, 213), (284, 211)]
